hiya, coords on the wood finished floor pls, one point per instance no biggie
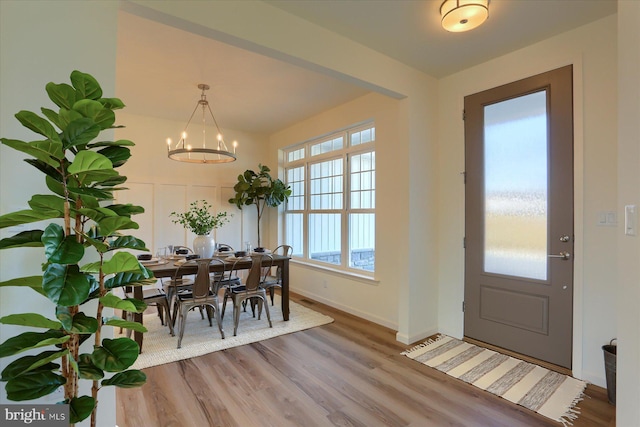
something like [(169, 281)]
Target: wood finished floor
[(347, 373)]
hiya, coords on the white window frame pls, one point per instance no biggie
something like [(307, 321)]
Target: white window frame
[(345, 153)]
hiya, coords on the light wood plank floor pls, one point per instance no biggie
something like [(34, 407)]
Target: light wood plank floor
[(347, 373)]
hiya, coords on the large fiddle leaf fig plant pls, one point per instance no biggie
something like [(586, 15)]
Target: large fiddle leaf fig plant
[(82, 244), (261, 190)]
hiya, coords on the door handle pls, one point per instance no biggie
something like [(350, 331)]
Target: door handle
[(562, 255)]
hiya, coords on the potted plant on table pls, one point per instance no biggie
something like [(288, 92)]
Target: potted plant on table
[(261, 190), (82, 221), (201, 222)]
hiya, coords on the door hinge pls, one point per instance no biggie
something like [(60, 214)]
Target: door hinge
[(464, 176), (464, 115), (464, 242), (463, 306)]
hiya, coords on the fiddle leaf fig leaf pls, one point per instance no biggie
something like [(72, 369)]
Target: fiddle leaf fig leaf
[(86, 85), (65, 284), (33, 385), (26, 216), (83, 324), (109, 225), (129, 304), (63, 95), (80, 408), (117, 155), (130, 279), (80, 132), (127, 379), (29, 340), (115, 355), (63, 314), (34, 320), (112, 103), (121, 262), (37, 124), (119, 323), (25, 239), (40, 362), (87, 370), (126, 210), (89, 161), (59, 248), (118, 143), (34, 282), (41, 150), (128, 242), (47, 202)]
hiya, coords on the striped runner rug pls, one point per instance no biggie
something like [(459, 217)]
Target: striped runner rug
[(536, 388)]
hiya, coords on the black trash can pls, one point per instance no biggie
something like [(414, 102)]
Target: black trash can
[(610, 352)]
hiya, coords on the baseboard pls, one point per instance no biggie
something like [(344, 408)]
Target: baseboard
[(347, 309), (412, 339)]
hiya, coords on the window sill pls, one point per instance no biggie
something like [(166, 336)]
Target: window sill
[(337, 272)]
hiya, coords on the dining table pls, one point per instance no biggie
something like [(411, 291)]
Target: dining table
[(168, 267)]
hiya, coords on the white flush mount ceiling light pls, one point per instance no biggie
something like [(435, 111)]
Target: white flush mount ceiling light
[(216, 152), (463, 15)]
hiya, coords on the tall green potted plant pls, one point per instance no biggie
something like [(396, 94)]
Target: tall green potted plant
[(261, 190), (81, 243)]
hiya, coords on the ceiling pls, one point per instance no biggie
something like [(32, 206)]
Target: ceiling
[(159, 67)]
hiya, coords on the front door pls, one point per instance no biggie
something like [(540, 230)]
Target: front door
[(519, 216)]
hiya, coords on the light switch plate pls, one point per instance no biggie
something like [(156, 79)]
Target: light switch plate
[(631, 220)]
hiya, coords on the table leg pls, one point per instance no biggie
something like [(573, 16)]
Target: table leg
[(285, 290), (137, 336)]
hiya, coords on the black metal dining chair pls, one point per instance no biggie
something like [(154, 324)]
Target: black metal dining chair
[(272, 281)]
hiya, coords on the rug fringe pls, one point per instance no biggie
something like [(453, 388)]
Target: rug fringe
[(424, 344), (573, 411)]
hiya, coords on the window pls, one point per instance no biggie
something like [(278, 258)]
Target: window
[(330, 216)]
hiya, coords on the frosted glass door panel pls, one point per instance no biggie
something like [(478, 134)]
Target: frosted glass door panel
[(515, 185)]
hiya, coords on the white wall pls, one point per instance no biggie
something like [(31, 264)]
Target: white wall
[(42, 42), (166, 185), (628, 359), (592, 51)]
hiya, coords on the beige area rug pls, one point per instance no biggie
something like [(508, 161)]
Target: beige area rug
[(536, 388), (159, 347)]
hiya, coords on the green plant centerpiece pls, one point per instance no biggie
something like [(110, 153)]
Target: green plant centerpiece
[(198, 219), (82, 244), (261, 190)]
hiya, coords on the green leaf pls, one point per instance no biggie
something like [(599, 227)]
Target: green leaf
[(130, 279), (126, 210), (121, 262), (25, 239), (97, 244), (29, 340), (88, 161), (115, 355), (112, 103), (63, 95), (129, 304), (110, 225), (83, 324), (33, 385), (94, 110), (127, 379), (39, 151), (41, 202), (61, 249), (86, 85), (119, 323), (80, 408), (46, 169), (79, 132), (128, 242), (30, 319), (26, 216), (40, 362), (53, 117), (34, 282), (67, 116), (38, 125), (63, 314), (118, 143), (87, 370), (117, 155), (91, 192), (65, 285)]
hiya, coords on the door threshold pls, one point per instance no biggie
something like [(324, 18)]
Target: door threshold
[(544, 364)]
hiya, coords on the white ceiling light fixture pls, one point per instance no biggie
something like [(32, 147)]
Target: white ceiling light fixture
[(463, 15), (217, 152)]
